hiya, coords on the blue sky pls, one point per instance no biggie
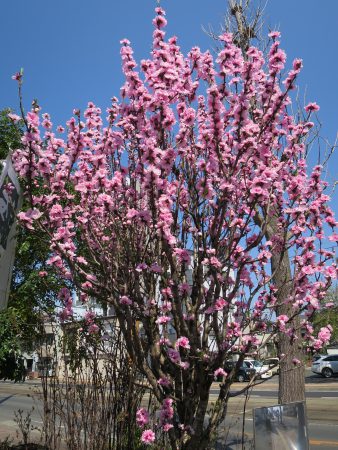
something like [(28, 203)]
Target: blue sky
[(69, 49)]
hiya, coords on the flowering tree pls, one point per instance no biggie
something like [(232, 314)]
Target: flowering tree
[(179, 213)]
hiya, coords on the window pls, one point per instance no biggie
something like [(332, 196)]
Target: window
[(331, 358), (49, 338), (257, 364)]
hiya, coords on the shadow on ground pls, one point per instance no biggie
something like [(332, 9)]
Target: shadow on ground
[(318, 379), (235, 444)]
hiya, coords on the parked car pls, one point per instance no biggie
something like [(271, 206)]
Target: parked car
[(273, 364), (326, 365), (262, 371), (316, 357), (244, 373)]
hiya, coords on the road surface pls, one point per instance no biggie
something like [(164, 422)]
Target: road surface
[(321, 403)]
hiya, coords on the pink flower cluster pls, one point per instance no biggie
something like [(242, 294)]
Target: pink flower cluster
[(167, 414), (66, 298), (220, 373), (142, 417), (148, 437)]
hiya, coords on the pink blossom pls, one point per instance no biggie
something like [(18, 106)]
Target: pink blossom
[(17, 76), (282, 318), (164, 382), (274, 34), (331, 271), (125, 300), (184, 288), (174, 356), (148, 437), (86, 285), (33, 119), (156, 268), (311, 107), (184, 365), (82, 260), (65, 297), (142, 417), (220, 304), (182, 342), (163, 320), (182, 255), (166, 307), (215, 262), (210, 310), (167, 411), (140, 267), (160, 20), (29, 216), (281, 321), (164, 341), (89, 316), (65, 314), (14, 117), (220, 372), (329, 305), (325, 334), (93, 329)]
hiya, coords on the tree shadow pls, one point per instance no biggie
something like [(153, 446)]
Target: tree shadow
[(234, 443), (318, 379)]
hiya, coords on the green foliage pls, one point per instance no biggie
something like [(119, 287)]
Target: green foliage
[(79, 343), (10, 134), (31, 295), (14, 330), (28, 286)]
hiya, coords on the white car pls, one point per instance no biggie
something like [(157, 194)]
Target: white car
[(273, 364), (263, 371), (326, 365)]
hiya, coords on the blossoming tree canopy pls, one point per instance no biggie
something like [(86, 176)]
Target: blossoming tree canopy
[(164, 210)]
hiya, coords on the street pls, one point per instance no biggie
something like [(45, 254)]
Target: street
[(321, 403)]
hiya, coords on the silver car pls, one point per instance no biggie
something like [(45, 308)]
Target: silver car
[(326, 365)]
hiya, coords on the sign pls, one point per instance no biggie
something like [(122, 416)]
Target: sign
[(281, 427), (9, 207)]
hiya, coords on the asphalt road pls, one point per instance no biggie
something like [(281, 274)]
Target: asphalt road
[(321, 406), (322, 410)]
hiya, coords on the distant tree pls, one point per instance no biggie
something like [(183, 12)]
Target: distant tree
[(34, 285), (10, 133), (20, 328)]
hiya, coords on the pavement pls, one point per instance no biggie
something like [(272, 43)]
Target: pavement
[(321, 405)]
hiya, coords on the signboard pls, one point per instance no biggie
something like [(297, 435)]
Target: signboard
[(9, 207), (281, 427)]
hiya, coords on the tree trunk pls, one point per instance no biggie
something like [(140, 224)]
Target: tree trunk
[(291, 376)]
